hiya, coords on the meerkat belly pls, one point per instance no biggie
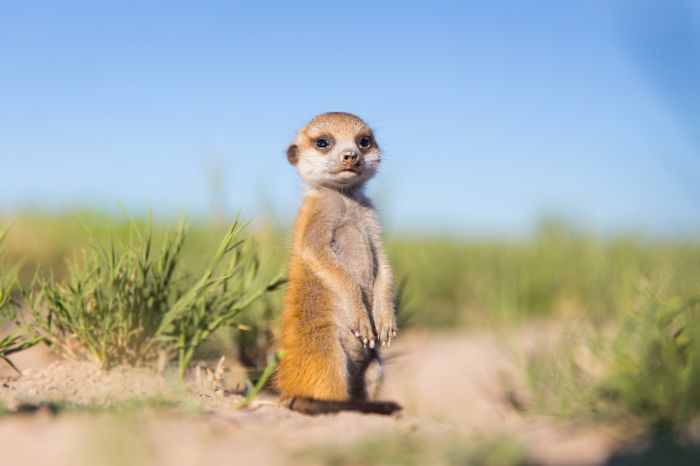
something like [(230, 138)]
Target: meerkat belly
[(354, 251)]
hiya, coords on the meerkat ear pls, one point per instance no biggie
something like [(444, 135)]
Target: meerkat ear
[(293, 154)]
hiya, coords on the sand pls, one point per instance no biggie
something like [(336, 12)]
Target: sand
[(450, 383)]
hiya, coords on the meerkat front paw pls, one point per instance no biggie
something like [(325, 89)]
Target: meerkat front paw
[(385, 322), (362, 329)]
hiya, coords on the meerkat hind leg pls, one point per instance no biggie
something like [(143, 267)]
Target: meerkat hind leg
[(325, 376)]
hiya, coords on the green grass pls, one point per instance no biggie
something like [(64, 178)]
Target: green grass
[(253, 391), (131, 302), (16, 340), (646, 373)]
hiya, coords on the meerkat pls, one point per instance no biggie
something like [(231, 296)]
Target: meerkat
[(339, 306)]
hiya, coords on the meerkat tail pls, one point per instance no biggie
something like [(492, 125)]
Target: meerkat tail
[(313, 406)]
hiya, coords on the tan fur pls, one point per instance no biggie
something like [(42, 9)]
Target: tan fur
[(339, 304)]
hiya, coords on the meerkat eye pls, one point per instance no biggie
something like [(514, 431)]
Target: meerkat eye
[(365, 142), (322, 143)]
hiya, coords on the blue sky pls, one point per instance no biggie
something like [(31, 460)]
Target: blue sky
[(491, 115)]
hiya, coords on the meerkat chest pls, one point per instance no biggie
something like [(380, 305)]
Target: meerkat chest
[(353, 245)]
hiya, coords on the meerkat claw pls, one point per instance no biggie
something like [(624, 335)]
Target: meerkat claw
[(371, 344)]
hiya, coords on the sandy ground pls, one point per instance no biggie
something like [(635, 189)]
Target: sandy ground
[(447, 383)]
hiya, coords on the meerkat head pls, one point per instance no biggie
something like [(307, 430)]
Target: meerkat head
[(335, 150)]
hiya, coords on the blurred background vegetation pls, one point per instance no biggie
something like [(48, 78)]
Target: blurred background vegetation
[(557, 272)]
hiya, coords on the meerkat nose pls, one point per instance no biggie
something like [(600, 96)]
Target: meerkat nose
[(350, 156)]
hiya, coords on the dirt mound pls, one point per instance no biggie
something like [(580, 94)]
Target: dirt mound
[(83, 383)]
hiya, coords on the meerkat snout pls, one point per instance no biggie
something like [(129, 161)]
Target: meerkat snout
[(350, 157), (335, 150)]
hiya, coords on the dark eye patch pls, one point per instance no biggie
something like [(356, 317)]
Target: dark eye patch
[(365, 142), (322, 143)]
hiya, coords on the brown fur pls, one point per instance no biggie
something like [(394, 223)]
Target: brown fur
[(310, 366)]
